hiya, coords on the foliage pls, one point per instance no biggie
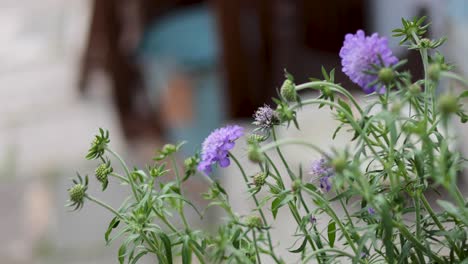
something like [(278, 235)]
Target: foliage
[(400, 153)]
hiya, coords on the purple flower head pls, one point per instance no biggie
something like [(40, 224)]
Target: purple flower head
[(325, 183), (371, 210), (215, 148), (320, 168), (265, 117), (359, 53)]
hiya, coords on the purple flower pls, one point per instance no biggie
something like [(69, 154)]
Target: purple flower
[(359, 53), (325, 183), (265, 117), (215, 148), (320, 168), (371, 210)]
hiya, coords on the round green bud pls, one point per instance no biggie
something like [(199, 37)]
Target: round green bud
[(169, 149), (288, 91), (296, 185), (396, 107), (253, 221), (255, 138), (254, 153), (425, 42), (102, 172), (339, 164), (434, 71), (448, 104), (285, 114), (77, 193), (386, 75), (414, 89), (326, 91), (259, 179)]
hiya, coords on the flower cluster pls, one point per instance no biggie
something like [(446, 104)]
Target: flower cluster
[(215, 148), (359, 53), (378, 212), (265, 117), (321, 169)]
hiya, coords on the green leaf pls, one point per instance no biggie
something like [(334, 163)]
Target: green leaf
[(345, 106), (138, 256), (331, 233), (464, 94), (325, 74), (167, 246), (279, 202), (186, 252), (112, 225), (122, 251), (301, 247)]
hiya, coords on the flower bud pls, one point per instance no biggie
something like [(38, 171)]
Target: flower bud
[(254, 153), (255, 138), (259, 179), (425, 43), (102, 172), (396, 107), (414, 89), (169, 149), (339, 164), (386, 75), (285, 114), (296, 185), (253, 221), (434, 71), (77, 193), (448, 104), (288, 91)]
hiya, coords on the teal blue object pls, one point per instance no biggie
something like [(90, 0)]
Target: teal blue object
[(187, 36), (185, 42)]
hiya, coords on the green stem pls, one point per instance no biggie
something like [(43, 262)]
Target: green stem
[(334, 87), (292, 177), (181, 202), (257, 204), (293, 209), (118, 176), (256, 246), (103, 204), (127, 172), (406, 233), (199, 255), (436, 220), (326, 250), (337, 220)]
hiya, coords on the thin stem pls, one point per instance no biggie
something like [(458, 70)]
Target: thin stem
[(334, 87), (118, 176), (333, 215), (292, 177), (181, 202), (289, 141), (256, 246), (325, 250), (257, 204), (127, 172), (436, 220), (293, 208), (199, 255), (103, 204), (406, 233)]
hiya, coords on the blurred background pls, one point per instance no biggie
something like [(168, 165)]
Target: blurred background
[(154, 71)]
